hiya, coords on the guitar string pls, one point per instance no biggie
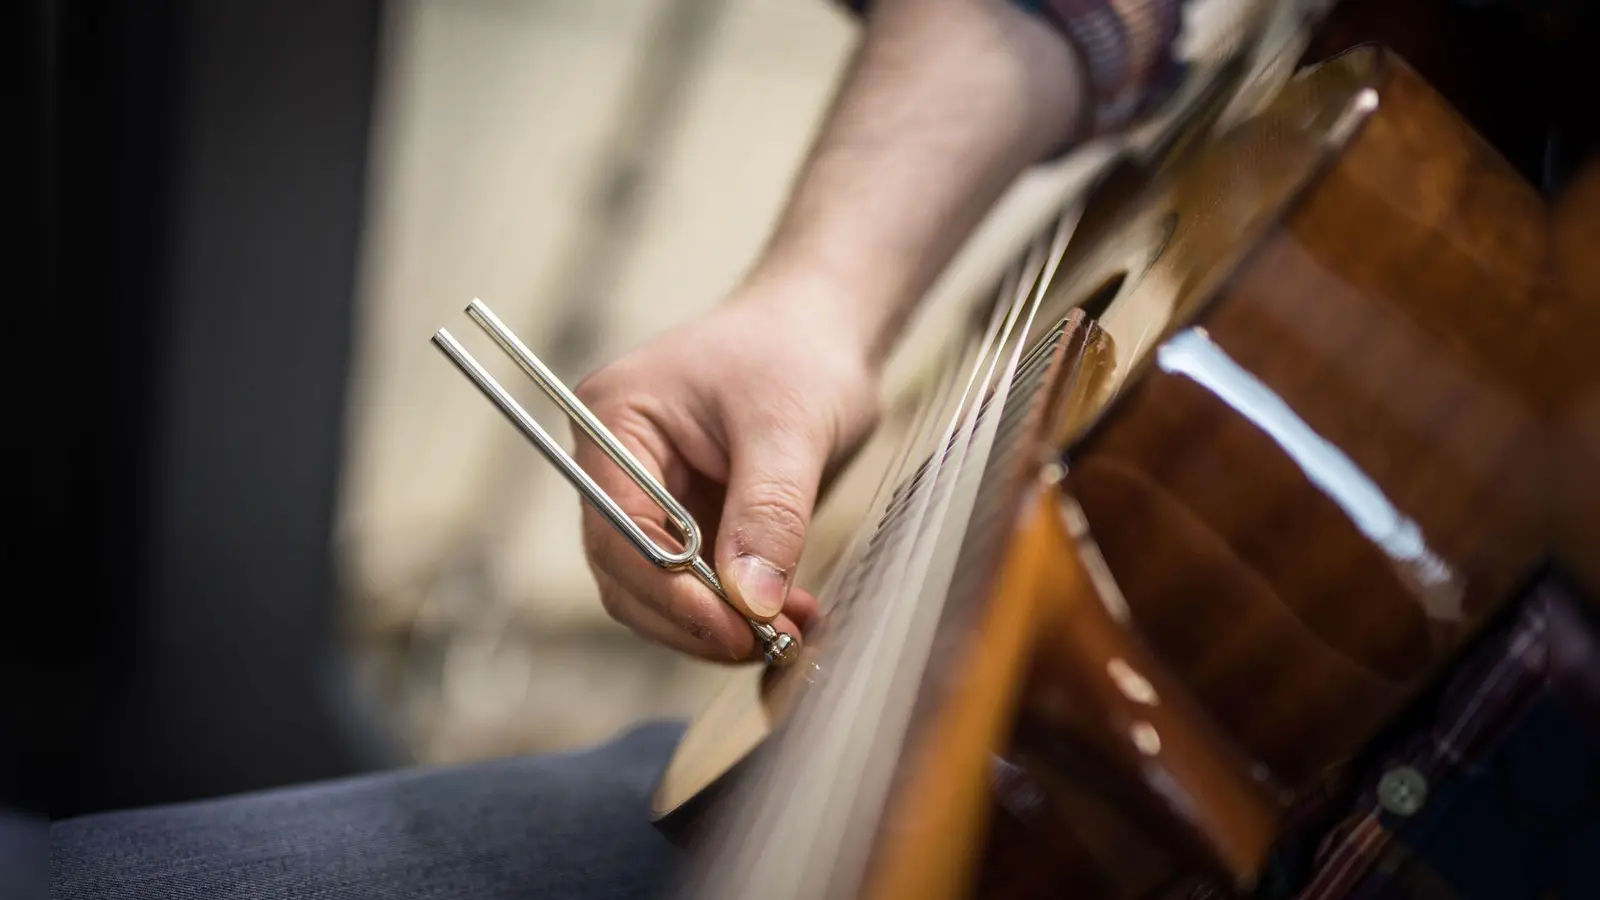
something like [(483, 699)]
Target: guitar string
[(890, 526), (927, 399), (750, 824), (891, 532), (904, 679), (998, 491), (848, 681), (890, 523), (1025, 381), (1031, 368), (860, 805), (762, 878), (733, 848), (870, 646)]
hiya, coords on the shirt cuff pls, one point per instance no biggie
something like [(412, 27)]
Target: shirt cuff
[(1127, 49), (1128, 54)]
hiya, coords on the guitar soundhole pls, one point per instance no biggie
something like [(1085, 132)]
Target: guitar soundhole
[(1099, 300)]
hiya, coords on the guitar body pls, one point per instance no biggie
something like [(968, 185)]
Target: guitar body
[(1506, 65), (1321, 489), (1571, 387), (1287, 424)]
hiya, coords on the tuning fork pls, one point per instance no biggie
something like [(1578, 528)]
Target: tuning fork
[(779, 648)]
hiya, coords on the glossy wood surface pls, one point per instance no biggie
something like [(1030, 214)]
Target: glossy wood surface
[(1571, 330), (1338, 465), (1338, 406), (1498, 63), (1315, 489), (930, 843)]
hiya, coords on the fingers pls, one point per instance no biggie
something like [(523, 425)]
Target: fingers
[(773, 476), (670, 607), (690, 636)]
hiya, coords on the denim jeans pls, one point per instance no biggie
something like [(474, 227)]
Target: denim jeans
[(572, 825)]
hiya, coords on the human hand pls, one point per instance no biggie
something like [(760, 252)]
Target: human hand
[(740, 414)]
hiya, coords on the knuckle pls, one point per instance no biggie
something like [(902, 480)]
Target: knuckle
[(776, 508), (803, 424), (629, 428), (600, 548), (789, 405), (608, 561), (822, 413), (859, 411), (857, 390), (593, 388), (613, 600)]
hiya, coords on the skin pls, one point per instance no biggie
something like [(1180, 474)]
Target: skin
[(743, 413)]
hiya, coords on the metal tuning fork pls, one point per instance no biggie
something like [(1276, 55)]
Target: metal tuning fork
[(778, 647)]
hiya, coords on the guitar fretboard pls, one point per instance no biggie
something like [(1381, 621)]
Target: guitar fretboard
[(932, 526), (891, 532)]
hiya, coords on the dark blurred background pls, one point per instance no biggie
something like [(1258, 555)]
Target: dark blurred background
[(208, 162)]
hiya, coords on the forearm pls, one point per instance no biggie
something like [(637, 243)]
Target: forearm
[(946, 102)]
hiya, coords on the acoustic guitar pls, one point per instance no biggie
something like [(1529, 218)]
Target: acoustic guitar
[(1243, 454)]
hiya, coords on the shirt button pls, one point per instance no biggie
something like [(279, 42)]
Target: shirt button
[(1402, 791)]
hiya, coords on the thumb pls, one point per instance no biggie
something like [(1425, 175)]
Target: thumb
[(773, 476)]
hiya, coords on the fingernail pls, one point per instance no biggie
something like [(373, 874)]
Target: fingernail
[(762, 584)]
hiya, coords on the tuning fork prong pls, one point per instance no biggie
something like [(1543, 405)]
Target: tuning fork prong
[(777, 647)]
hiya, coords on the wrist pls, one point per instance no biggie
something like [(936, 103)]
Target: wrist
[(858, 309)]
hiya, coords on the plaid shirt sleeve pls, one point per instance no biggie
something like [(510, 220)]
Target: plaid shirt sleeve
[(1491, 791), (1126, 46)]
